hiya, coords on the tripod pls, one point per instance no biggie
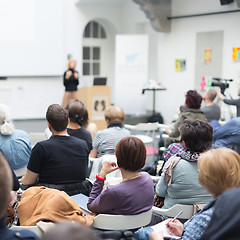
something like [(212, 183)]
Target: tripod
[(226, 111)]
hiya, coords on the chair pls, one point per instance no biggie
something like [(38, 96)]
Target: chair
[(34, 229), (122, 222), (188, 211), (36, 137), (148, 128), (147, 133), (21, 171)]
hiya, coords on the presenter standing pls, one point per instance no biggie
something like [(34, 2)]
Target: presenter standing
[(70, 81)]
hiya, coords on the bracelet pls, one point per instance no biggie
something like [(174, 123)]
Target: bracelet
[(99, 178)]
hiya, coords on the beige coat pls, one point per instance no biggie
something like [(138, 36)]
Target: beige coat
[(46, 204)]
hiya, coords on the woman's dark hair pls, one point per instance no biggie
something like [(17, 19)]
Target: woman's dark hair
[(78, 113), (197, 135), (131, 154), (193, 99)]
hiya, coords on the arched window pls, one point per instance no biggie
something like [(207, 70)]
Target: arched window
[(94, 30), (92, 52)]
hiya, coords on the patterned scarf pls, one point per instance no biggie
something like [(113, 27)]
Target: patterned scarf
[(173, 161)]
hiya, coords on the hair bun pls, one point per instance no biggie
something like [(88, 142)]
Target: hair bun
[(6, 129)]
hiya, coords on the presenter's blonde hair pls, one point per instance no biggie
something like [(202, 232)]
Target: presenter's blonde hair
[(70, 61)]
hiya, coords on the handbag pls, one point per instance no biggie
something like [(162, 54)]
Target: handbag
[(158, 201)]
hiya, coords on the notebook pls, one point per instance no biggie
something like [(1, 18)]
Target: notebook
[(82, 201)]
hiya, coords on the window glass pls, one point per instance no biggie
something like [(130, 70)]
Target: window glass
[(96, 69), (86, 53), (87, 31), (103, 33), (96, 53), (95, 30), (86, 68)]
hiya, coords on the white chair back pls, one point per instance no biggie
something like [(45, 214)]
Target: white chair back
[(174, 210), (34, 229), (122, 222)]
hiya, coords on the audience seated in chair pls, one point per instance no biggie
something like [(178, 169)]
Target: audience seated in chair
[(192, 110), (106, 140), (78, 116), (219, 170), (135, 193), (227, 135), (70, 231), (173, 149), (211, 110), (61, 161), (179, 180), (225, 220), (14, 143), (5, 199)]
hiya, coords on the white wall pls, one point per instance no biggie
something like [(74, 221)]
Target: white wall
[(28, 98), (31, 42), (180, 43)]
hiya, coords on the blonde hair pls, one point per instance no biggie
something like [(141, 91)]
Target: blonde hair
[(5, 127), (114, 114), (5, 184), (71, 60), (219, 170)]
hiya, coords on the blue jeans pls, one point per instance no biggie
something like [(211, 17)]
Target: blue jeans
[(228, 134)]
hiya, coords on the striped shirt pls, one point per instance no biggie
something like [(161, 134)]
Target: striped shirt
[(106, 140)]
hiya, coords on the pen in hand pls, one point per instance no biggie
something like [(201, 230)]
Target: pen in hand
[(174, 218)]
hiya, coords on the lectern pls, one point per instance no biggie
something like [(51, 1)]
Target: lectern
[(96, 99)]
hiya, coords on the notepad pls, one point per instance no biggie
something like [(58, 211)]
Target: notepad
[(82, 201), (162, 227)]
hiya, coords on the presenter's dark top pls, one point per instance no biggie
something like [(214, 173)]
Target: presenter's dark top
[(71, 83), (60, 160)]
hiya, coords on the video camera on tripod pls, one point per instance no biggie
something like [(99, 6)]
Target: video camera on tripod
[(222, 83)]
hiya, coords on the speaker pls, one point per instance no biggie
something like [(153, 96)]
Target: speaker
[(224, 2)]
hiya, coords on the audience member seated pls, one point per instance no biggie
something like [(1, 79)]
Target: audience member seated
[(219, 170), (211, 110), (192, 110), (135, 193), (225, 220), (14, 143), (227, 135), (78, 116), (61, 161), (173, 149), (70, 231), (179, 180), (106, 140), (5, 198)]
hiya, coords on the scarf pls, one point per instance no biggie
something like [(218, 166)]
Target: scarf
[(173, 161)]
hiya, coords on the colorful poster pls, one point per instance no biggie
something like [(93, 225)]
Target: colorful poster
[(236, 54), (207, 56), (180, 65)]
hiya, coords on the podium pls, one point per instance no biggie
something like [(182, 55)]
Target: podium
[(96, 99)]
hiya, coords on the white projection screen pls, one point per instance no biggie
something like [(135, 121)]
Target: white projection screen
[(31, 38)]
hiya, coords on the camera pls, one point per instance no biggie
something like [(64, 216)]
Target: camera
[(222, 83)]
